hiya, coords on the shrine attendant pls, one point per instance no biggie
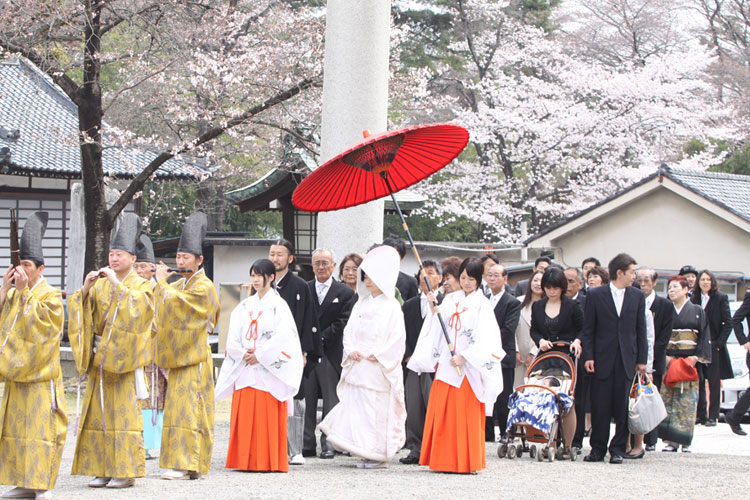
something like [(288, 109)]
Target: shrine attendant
[(453, 438), (262, 372), (369, 420)]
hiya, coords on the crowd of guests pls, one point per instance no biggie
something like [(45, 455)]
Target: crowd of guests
[(426, 362)]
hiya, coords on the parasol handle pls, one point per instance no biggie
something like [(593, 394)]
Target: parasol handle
[(421, 268)]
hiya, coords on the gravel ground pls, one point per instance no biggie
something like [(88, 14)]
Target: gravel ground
[(716, 469)]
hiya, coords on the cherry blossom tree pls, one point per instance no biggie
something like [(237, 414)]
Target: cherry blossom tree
[(553, 131), (185, 74)]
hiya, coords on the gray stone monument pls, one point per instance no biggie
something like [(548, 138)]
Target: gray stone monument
[(355, 98)]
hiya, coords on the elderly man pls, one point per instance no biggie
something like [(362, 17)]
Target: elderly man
[(574, 277), (332, 303), (507, 311)]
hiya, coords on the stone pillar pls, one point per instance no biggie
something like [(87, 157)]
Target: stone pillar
[(355, 98)]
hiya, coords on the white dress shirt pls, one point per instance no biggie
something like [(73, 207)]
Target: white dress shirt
[(618, 296), (704, 300), (322, 288), (494, 299), (650, 331)]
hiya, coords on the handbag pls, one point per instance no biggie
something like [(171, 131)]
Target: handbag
[(645, 407), (680, 370)]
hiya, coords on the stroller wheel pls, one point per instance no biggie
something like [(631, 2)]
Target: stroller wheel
[(539, 455), (532, 451), (502, 450), (560, 451), (519, 450), (551, 454), (573, 455), (512, 452)]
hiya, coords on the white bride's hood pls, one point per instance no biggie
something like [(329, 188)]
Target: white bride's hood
[(381, 264)]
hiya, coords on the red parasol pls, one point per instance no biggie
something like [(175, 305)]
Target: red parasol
[(405, 156), (382, 165)]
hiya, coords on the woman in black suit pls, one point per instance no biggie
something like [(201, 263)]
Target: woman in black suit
[(556, 318), (716, 306)]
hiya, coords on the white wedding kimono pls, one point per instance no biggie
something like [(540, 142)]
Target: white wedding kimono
[(474, 331), (266, 325), (369, 420)]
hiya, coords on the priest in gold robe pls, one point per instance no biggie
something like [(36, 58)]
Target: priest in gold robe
[(33, 423), (109, 326), (186, 313)]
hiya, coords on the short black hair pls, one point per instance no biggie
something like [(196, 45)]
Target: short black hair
[(265, 268), (473, 267), (542, 259), (397, 243), (429, 263), (554, 277), (620, 262), (591, 259), (490, 256), (286, 244)]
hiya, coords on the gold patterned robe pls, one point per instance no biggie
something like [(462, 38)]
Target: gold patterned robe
[(186, 311), (33, 423), (110, 430)]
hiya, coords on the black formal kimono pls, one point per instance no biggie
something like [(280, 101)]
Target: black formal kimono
[(507, 313), (330, 318), (296, 294), (616, 343)]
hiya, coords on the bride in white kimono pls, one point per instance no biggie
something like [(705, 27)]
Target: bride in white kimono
[(369, 420)]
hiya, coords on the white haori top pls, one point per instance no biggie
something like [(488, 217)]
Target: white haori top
[(267, 326), (475, 334)]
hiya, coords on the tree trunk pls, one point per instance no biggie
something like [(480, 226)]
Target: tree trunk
[(89, 99)]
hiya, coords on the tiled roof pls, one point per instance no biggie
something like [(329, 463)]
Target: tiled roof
[(729, 191), (46, 143)]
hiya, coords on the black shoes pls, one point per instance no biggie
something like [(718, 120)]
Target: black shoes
[(628, 456), (410, 459), (308, 453), (593, 457), (326, 454), (710, 423), (650, 447), (615, 459), (735, 426)]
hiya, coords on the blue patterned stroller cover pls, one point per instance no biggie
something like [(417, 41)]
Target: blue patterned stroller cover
[(537, 408)]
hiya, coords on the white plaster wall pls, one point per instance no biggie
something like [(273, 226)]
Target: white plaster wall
[(232, 263), (662, 230)]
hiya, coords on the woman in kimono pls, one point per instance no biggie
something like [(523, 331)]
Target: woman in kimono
[(369, 420), (186, 313), (467, 383), (691, 340), (262, 372)]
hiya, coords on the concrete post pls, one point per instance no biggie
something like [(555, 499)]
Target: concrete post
[(355, 98)]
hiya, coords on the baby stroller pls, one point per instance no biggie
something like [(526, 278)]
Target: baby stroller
[(538, 406)]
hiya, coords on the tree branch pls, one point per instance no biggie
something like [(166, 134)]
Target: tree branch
[(137, 183)]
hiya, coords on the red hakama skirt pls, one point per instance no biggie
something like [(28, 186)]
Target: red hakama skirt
[(453, 438), (257, 432)]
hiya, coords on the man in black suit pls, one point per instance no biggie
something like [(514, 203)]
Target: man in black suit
[(407, 285), (294, 291), (332, 304), (661, 312), (507, 310), (540, 264), (587, 265), (734, 417), (488, 261), (417, 386), (614, 348)]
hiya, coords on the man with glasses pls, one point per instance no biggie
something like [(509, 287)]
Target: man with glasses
[(332, 303)]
